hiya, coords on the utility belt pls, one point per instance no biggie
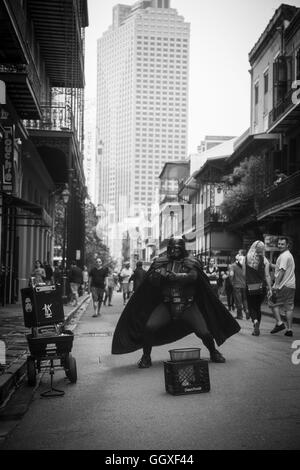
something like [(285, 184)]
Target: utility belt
[(177, 305), (178, 300)]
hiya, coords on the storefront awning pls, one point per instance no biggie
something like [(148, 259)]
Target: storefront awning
[(28, 210)]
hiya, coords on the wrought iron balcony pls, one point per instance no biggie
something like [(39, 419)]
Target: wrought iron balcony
[(24, 88), (282, 196), (169, 196), (281, 107), (55, 118), (214, 215), (285, 115)]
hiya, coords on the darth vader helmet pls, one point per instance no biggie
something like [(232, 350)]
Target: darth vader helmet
[(176, 248)]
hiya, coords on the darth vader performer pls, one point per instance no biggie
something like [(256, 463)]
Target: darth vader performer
[(174, 300)]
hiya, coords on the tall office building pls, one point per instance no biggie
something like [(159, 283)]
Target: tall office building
[(142, 104)]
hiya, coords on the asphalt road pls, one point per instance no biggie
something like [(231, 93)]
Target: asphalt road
[(253, 402)]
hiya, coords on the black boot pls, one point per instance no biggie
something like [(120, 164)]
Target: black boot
[(216, 356), (145, 362)]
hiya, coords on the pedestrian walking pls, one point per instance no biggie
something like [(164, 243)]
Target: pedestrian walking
[(284, 288), (125, 274), (228, 289), (138, 275), (85, 279), (238, 281), (212, 272), (75, 280), (97, 285), (111, 283), (57, 273), (174, 300), (258, 281), (49, 279)]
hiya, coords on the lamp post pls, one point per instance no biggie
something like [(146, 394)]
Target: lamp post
[(65, 197)]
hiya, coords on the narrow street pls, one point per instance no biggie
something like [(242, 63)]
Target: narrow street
[(253, 402)]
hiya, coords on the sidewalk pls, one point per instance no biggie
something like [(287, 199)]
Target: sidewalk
[(14, 351)]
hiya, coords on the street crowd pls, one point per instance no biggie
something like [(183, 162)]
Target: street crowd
[(178, 295)]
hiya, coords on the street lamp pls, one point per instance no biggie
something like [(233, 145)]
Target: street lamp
[(65, 198)]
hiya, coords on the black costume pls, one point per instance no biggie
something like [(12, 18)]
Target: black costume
[(174, 300)]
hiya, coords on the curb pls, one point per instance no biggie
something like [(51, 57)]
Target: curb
[(17, 372)]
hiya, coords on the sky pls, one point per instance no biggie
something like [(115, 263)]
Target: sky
[(222, 34)]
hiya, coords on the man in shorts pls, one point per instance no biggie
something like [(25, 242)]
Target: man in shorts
[(284, 288), (125, 275), (97, 284)]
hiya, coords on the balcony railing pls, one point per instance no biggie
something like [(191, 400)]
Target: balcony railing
[(281, 107), (285, 191), (23, 70), (169, 196), (214, 215), (55, 118)]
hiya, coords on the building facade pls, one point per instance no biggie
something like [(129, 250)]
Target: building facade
[(41, 133), (274, 135), (142, 104)]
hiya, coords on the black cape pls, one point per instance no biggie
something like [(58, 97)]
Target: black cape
[(128, 335)]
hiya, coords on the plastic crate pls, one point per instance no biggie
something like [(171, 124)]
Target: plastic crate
[(183, 377), (44, 346), (42, 305), (184, 354)]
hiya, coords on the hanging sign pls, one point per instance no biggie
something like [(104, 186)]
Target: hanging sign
[(7, 160)]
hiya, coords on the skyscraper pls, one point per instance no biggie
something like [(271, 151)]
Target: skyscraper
[(142, 103)]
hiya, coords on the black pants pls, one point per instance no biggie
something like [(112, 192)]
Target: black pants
[(191, 316), (230, 298), (254, 306)]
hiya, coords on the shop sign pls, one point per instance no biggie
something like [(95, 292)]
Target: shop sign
[(7, 159)]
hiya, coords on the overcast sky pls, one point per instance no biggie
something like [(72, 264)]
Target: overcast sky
[(222, 34)]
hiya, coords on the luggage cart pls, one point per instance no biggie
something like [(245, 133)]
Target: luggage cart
[(50, 344)]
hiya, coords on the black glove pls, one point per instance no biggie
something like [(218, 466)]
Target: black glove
[(170, 276)]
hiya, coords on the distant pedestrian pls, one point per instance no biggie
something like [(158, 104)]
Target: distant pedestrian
[(238, 281), (111, 283), (75, 279), (284, 288), (97, 284), (49, 279), (212, 272), (57, 273), (125, 274), (38, 273), (228, 289), (258, 280), (85, 279), (138, 275)]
